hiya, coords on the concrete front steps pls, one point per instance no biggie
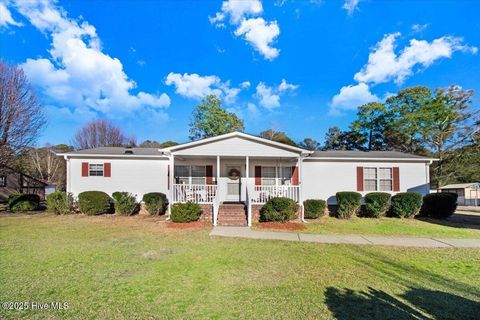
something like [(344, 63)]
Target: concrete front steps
[(232, 214)]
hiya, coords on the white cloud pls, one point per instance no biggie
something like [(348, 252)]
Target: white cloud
[(244, 16), (385, 65), (419, 27), (269, 97), (351, 6), (253, 110), (6, 17), (78, 72), (196, 86), (245, 85), (260, 35), (350, 97)]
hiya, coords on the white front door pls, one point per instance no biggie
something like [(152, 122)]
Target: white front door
[(234, 174)]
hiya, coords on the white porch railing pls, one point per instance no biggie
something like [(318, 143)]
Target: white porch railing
[(262, 194), (198, 193)]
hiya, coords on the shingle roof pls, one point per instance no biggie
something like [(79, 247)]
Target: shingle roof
[(459, 185), (365, 154), (119, 151)]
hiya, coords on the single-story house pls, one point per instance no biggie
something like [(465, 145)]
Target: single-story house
[(12, 181), (468, 193), (233, 175)]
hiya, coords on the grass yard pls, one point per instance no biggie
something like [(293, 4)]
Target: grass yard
[(135, 267), (397, 227)]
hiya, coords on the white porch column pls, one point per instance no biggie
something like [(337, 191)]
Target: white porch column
[(249, 205), (300, 188), (171, 174), (218, 169)]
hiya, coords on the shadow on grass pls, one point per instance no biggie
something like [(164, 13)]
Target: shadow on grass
[(419, 304), (458, 220)]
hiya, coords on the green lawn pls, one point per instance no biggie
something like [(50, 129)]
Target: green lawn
[(395, 227), (134, 267)]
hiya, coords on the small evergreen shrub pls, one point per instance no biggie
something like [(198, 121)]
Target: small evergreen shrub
[(348, 204), (376, 204), (185, 212), (60, 202), (406, 204), (94, 203), (314, 208), (155, 203), (439, 205), (125, 203), (23, 202), (279, 209)]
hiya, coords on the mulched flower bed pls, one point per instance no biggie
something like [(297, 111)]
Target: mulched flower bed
[(187, 225), (281, 226)]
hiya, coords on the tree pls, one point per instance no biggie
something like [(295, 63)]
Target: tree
[(101, 133), (21, 113), (47, 165), (277, 136), (209, 119), (371, 123), (336, 139), (309, 144), (156, 144)]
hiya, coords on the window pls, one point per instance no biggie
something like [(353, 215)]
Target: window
[(95, 169), (190, 174), (370, 179), (268, 176), (386, 179), (285, 175), (3, 181)]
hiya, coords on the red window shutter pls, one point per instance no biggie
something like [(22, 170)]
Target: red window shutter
[(295, 176), (84, 169), (168, 177), (107, 169), (209, 174), (396, 178), (258, 175), (359, 178)]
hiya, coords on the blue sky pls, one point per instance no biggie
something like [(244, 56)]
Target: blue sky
[(295, 66)]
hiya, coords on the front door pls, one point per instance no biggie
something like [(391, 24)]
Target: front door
[(234, 181)]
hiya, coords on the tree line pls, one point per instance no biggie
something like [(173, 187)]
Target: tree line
[(440, 123)]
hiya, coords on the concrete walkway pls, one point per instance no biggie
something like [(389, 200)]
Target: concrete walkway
[(421, 242)]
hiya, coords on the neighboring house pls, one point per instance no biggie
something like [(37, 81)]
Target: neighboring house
[(12, 181), (233, 175), (468, 193)]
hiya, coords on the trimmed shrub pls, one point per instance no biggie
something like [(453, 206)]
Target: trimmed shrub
[(279, 209), (376, 204), (125, 203), (60, 202), (406, 204), (439, 205), (23, 202), (155, 203), (94, 203), (348, 204), (314, 208), (185, 212)]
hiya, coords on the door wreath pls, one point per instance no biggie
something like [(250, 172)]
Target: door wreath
[(234, 174)]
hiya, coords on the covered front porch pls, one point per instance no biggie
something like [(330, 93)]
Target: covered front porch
[(220, 180)]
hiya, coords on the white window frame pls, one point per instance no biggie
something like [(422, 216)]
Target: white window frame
[(94, 167), (377, 179), (189, 179), (280, 178)]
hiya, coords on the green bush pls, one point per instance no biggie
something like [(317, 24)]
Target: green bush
[(60, 202), (376, 204), (439, 205), (185, 212), (23, 202), (125, 203), (406, 204), (279, 209), (314, 208), (348, 204), (155, 203), (94, 202)]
